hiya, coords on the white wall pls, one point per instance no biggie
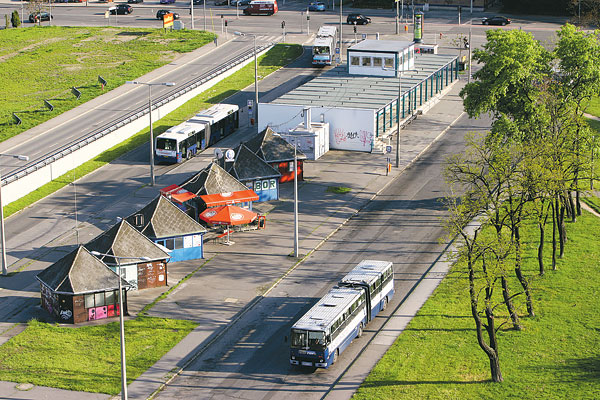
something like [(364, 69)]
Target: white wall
[(14, 190), (409, 62), (349, 128)]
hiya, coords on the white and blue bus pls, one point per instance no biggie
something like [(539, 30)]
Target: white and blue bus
[(204, 129), (323, 49), (318, 337)]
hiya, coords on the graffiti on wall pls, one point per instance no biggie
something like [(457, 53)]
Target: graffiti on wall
[(66, 314), (353, 140)]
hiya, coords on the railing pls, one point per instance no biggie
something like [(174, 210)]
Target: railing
[(121, 121)]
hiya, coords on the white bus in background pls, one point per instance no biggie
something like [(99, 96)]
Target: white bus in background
[(183, 141), (324, 46)]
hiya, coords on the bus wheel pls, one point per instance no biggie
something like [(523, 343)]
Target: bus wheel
[(189, 154), (336, 355), (360, 330), (385, 303)]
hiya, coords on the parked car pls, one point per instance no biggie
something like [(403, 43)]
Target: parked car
[(198, 2), (316, 6), (40, 16), (497, 20), (358, 19), (134, 1), (121, 9), (221, 2), (167, 1), (161, 13), (239, 3)]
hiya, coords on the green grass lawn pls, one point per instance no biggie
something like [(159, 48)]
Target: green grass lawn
[(274, 59), (594, 107), (88, 358), (44, 63), (556, 356)]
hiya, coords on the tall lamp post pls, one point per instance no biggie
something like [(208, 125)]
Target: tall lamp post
[(341, 43), (150, 115), (400, 71), (255, 76), (2, 234), (121, 324)]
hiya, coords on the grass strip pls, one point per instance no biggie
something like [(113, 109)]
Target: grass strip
[(88, 358), (274, 59), (44, 63), (556, 356), (338, 189)]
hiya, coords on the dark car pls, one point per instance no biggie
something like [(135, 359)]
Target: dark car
[(40, 16), (358, 19), (161, 13), (134, 1), (239, 3), (497, 20), (221, 2), (121, 9), (198, 2)]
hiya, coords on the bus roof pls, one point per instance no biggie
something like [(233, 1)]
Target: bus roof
[(367, 271), (215, 113), (323, 41), (182, 131), (328, 309), (327, 31)]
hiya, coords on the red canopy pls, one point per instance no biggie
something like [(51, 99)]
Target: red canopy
[(222, 199), (177, 193), (227, 215)]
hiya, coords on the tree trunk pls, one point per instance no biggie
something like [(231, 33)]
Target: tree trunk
[(490, 350), (554, 223), (563, 233), (573, 214), (509, 304), (519, 273), (578, 202), (540, 252)]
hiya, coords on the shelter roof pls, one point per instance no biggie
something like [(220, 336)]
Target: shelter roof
[(390, 46), (123, 240), (248, 166), (161, 219), (80, 272), (212, 180), (337, 88), (221, 199), (272, 148)]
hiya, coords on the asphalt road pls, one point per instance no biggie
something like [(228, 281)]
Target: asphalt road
[(403, 224)]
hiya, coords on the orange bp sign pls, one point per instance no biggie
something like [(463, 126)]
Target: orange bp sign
[(167, 20)]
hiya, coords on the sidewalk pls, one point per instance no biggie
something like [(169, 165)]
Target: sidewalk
[(235, 277)]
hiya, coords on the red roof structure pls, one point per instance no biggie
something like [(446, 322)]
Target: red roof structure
[(222, 199), (227, 215), (177, 193)]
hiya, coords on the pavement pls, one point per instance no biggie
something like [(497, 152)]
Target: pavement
[(231, 279)]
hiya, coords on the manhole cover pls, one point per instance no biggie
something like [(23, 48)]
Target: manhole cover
[(24, 386)]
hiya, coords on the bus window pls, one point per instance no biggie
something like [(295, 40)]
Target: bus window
[(166, 144), (298, 338), (316, 340)]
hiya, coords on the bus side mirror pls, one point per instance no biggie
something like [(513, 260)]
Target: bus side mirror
[(285, 339)]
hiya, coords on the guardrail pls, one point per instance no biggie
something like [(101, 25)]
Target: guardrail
[(134, 115)]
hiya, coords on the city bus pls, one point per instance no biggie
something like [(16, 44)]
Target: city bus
[(323, 49), (320, 335), (204, 129)]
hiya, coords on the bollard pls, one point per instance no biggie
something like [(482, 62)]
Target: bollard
[(441, 35), (405, 28)]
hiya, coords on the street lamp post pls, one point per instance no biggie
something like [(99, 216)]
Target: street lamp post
[(341, 43), (150, 115), (400, 71), (255, 76), (2, 234), (121, 323)]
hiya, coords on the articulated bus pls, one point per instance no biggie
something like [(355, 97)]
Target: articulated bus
[(323, 49), (318, 337), (206, 128)]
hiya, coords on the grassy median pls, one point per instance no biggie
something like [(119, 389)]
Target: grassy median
[(44, 63)]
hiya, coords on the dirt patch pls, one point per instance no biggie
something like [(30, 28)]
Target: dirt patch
[(31, 47)]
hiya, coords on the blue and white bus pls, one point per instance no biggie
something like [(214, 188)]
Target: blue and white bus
[(318, 337), (204, 129), (323, 49)]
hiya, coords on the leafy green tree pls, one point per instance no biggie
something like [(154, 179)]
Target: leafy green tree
[(15, 19)]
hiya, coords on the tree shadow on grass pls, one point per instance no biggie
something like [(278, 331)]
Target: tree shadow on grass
[(579, 369), (423, 382)]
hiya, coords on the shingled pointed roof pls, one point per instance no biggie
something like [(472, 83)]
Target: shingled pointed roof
[(161, 219), (248, 166), (123, 240), (80, 272), (272, 148), (213, 180)]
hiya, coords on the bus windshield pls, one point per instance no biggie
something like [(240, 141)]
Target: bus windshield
[(166, 144), (314, 340), (320, 49)]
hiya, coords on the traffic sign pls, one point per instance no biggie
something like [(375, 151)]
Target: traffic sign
[(388, 149), (337, 50), (250, 103)]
